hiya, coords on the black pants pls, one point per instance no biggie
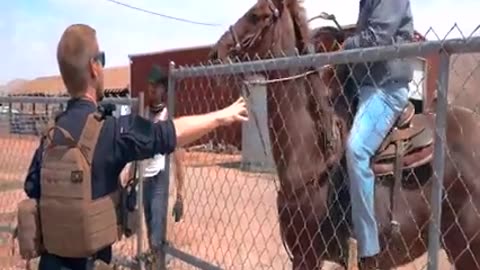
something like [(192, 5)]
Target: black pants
[(53, 262)]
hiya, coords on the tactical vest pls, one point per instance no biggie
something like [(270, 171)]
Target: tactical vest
[(72, 223)]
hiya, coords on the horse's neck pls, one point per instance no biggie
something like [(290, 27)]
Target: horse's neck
[(289, 102)]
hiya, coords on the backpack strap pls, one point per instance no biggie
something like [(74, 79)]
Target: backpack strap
[(49, 136), (89, 137), (47, 133), (50, 124)]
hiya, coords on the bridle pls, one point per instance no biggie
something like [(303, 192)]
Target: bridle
[(250, 40)]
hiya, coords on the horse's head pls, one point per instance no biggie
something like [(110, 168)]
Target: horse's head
[(270, 28)]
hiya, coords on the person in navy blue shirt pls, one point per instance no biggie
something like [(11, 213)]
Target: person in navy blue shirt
[(81, 66)]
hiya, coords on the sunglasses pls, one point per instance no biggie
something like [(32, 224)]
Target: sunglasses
[(100, 58)]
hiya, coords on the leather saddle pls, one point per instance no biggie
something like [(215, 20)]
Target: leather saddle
[(408, 145)]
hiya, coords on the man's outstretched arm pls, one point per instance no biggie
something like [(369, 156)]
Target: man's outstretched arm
[(143, 139), (191, 128)]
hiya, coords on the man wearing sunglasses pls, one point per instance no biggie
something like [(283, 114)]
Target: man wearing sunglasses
[(81, 66)]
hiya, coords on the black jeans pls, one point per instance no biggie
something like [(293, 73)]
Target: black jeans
[(53, 262)]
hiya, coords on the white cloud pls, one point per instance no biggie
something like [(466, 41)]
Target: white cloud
[(29, 40)]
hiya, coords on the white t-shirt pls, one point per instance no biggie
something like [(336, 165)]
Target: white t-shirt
[(153, 166)]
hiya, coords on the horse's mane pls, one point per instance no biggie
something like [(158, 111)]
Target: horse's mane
[(299, 15)]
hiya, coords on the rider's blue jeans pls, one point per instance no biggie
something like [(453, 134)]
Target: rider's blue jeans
[(378, 108)]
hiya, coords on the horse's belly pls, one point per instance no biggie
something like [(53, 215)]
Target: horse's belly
[(411, 212)]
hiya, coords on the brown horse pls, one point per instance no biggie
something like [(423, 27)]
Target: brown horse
[(309, 119)]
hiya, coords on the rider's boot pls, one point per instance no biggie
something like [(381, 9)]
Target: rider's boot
[(368, 263)]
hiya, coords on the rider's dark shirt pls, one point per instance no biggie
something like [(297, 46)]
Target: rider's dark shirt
[(382, 23)]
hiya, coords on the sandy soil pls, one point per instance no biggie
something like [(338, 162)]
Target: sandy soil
[(230, 215)]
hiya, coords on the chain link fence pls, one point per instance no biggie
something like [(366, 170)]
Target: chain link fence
[(239, 203), (255, 203), (22, 121)]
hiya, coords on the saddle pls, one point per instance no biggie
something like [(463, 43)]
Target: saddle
[(408, 145)]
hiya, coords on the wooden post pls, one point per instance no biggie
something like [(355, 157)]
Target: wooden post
[(352, 254)]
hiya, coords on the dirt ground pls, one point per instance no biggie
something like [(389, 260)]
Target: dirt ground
[(230, 215)]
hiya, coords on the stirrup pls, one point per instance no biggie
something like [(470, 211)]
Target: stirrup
[(395, 227)]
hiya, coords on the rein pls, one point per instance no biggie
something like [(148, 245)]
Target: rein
[(251, 40), (290, 78)]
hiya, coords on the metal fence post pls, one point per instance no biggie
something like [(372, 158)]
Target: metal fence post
[(161, 255), (256, 146), (140, 234), (434, 233)]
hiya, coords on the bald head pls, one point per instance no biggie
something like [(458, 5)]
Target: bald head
[(76, 54)]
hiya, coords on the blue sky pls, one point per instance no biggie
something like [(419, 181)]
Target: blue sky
[(30, 29)]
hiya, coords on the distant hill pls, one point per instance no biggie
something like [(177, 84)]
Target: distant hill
[(114, 78), (13, 85)]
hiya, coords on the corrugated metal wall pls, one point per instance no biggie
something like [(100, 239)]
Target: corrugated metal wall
[(257, 149)]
